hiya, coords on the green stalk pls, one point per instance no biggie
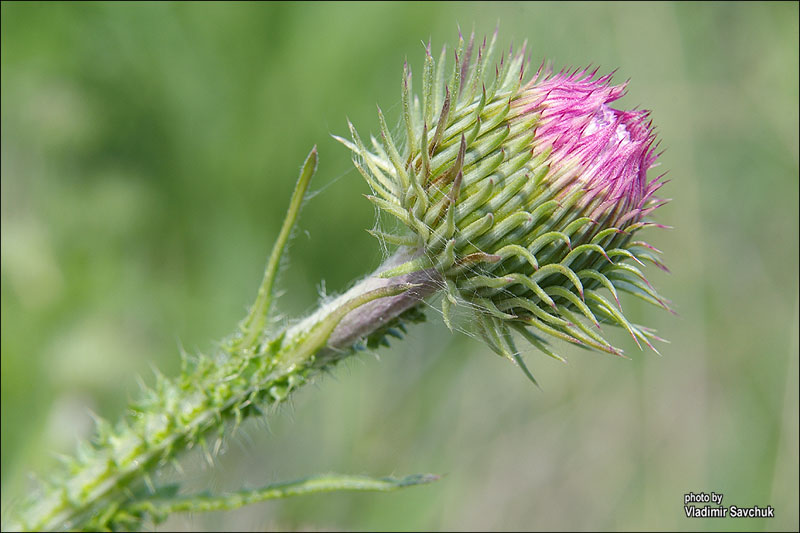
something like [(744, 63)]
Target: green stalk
[(109, 484)]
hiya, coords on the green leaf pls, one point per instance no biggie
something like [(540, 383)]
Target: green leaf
[(159, 508), (253, 325)]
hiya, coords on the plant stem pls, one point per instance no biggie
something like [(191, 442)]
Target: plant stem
[(213, 394), (377, 313)]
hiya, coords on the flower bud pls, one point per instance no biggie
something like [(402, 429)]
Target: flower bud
[(524, 196)]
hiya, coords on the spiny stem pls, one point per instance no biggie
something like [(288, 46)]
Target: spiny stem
[(243, 384), (244, 378)]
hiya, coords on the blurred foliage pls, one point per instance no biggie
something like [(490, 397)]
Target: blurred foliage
[(149, 150)]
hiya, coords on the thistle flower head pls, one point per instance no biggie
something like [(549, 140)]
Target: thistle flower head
[(610, 150), (524, 196)]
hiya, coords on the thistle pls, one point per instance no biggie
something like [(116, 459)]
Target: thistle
[(519, 202), (523, 197)]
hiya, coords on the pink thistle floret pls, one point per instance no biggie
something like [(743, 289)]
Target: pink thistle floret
[(605, 150)]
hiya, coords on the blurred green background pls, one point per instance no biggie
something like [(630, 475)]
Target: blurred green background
[(148, 154)]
